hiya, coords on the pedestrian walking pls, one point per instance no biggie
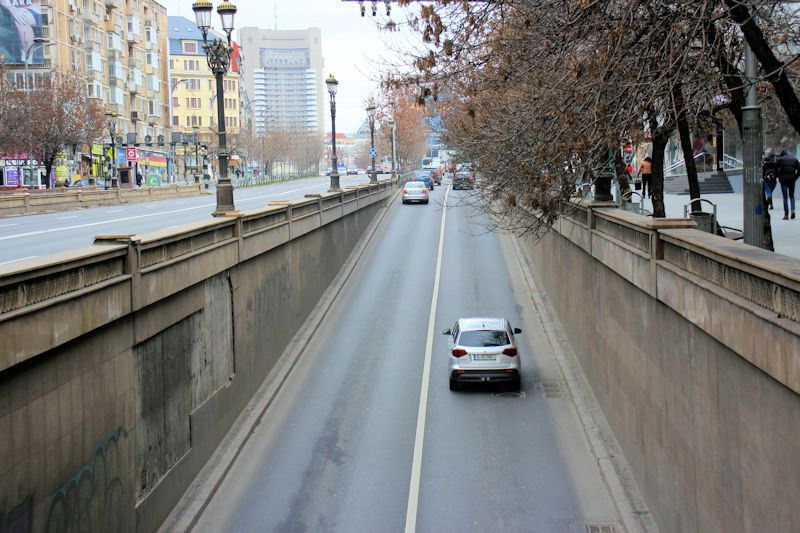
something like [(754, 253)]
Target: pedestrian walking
[(769, 175), (788, 170), (139, 179), (646, 173)]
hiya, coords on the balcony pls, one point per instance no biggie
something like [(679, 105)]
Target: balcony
[(113, 4)]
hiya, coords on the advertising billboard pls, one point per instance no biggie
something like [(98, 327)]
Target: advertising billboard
[(20, 23)]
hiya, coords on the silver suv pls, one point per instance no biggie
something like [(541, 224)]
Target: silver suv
[(483, 350)]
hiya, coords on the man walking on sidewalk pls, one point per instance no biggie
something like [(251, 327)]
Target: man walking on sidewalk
[(788, 169)]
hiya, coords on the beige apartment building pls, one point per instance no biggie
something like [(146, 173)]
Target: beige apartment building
[(120, 48), (193, 91)]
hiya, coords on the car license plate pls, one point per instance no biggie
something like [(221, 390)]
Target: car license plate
[(484, 357)]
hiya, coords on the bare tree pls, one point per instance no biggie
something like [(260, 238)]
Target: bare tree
[(48, 120), (541, 94)]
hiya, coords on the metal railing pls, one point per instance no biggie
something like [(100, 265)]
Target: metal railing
[(679, 167), (671, 169), (729, 162)]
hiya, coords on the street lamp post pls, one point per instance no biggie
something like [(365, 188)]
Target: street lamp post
[(218, 54), (196, 131), (752, 153), (185, 144), (111, 117), (373, 176), (392, 126), (332, 88)]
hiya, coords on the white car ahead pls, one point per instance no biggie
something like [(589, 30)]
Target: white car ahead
[(483, 350)]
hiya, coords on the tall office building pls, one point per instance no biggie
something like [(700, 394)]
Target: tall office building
[(284, 79)]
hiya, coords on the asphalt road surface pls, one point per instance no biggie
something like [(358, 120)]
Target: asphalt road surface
[(31, 236), (358, 439)]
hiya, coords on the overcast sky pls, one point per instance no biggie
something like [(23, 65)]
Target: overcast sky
[(350, 43)]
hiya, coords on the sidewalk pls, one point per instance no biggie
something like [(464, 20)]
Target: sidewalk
[(785, 233)]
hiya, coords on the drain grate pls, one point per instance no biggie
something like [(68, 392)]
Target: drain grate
[(554, 389), (599, 528), (520, 394)]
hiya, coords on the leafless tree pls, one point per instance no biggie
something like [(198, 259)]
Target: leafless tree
[(540, 94), (48, 120)]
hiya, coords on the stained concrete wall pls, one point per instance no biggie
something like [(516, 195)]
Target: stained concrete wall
[(712, 438), (105, 430)]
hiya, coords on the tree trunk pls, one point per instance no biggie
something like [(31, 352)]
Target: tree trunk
[(686, 145), (622, 176), (48, 167), (774, 69), (660, 136)]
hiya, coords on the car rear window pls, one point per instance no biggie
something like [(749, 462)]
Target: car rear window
[(484, 337), (415, 185)]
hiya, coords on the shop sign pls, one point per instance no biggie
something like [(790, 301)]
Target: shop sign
[(158, 161), (12, 177)]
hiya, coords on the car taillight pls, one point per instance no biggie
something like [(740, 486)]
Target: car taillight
[(424, 191), (510, 351), (459, 352), (405, 191)]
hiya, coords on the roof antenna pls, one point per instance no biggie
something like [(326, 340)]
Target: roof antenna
[(275, 5)]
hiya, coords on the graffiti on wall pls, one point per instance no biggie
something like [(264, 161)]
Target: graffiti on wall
[(18, 518), (91, 500)]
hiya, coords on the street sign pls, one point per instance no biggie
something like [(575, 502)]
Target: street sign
[(373, 152), (132, 154)]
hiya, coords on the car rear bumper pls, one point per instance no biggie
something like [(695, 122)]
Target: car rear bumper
[(485, 375), (415, 197)]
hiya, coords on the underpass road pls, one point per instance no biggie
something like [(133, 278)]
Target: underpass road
[(335, 449), (31, 236)]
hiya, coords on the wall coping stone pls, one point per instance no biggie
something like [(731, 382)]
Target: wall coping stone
[(644, 222), (58, 262), (780, 269)]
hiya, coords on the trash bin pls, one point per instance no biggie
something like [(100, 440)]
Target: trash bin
[(705, 221)]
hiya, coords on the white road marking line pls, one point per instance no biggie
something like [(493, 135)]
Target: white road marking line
[(66, 218), (114, 211), (284, 192), (20, 259), (416, 465), (8, 225), (136, 217)]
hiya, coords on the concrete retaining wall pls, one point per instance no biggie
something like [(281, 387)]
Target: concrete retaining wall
[(691, 343), (122, 366), (28, 203)]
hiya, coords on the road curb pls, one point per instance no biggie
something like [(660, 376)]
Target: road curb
[(622, 487), (205, 485)]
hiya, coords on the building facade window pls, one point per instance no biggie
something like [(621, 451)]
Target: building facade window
[(189, 47)]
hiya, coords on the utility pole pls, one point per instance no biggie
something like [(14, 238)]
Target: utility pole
[(752, 139)]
